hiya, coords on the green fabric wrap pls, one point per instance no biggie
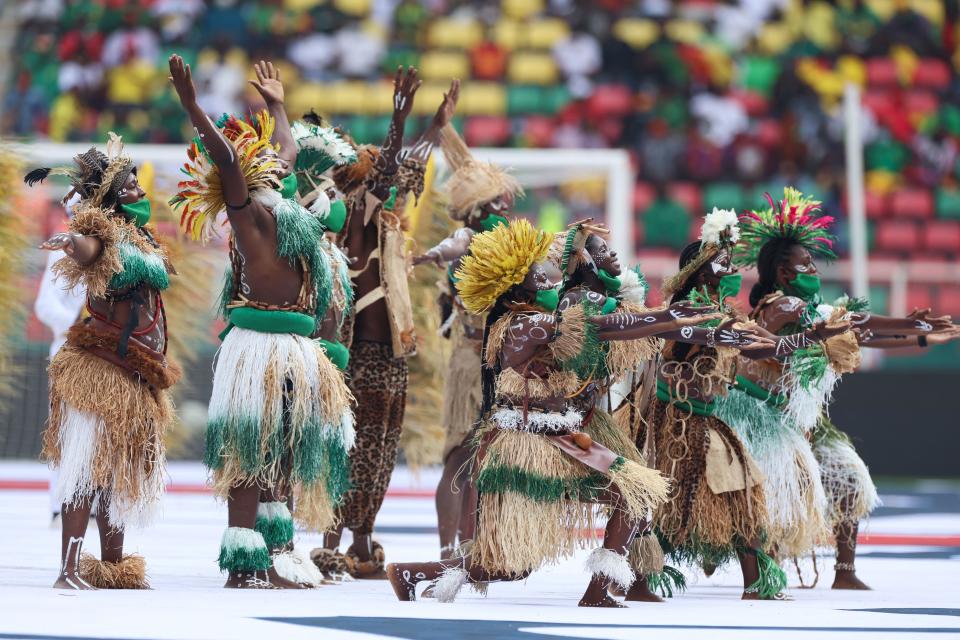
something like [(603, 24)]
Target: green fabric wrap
[(338, 354), (609, 306), (754, 390), (266, 321), (694, 406)]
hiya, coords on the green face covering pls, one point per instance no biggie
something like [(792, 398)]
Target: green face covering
[(337, 216), (492, 221), (288, 187), (730, 286), (548, 299), (806, 286), (612, 283), (138, 212)]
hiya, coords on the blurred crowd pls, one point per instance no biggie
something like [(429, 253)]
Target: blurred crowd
[(717, 101)]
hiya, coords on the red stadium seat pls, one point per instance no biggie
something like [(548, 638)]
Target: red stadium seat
[(483, 131), (769, 132), (877, 204), (610, 100), (942, 236), (643, 195), (897, 236), (881, 72), (687, 194), (912, 203), (932, 73), (948, 301), (752, 102), (924, 102), (539, 130), (876, 100), (919, 297)]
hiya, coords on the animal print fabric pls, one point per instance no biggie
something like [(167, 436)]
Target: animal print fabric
[(379, 384)]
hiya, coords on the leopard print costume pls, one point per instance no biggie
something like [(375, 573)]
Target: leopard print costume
[(379, 383)]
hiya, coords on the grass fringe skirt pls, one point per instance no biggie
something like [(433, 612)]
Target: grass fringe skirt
[(105, 433), (795, 499), (462, 393), (280, 413), (696, 524), (851, 494)]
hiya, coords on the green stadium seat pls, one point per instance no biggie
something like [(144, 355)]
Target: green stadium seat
[(758, 74), (531, 100), (725, 195), (948, 203), (666, 224)]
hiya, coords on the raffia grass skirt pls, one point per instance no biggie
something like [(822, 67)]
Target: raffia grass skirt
[(105, 434), (538, 505), (795, 499), (697, 523), (281, 416), (462, 393), (851, 493)]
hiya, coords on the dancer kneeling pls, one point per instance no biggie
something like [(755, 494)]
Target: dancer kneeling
[(539, 476)]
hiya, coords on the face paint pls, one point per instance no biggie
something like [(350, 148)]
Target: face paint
[(137, 212), (337, 217), (492, 221), (729, 286), (548, 299), (806, 286), (288, 187), (612, 283)]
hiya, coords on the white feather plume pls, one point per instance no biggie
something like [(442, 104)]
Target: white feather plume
[(718, 223)]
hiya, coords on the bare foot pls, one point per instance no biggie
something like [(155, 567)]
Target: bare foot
[(640, 592), (616, 590), (606, 602), (848, 580), (709, 569), (73, 582), (403, 583), (282, 583), (249, 580)]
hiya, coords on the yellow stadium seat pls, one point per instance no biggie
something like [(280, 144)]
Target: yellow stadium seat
[(522, 9), (818, 25), (302, 97), (774, 38), (686, 31), (932, 10), (482, 99), (380, 97), (532, 68), (444, 65), (852, 69), (350, 97), (883, 8), (356, 8), (429, 97), (636, 32), (543, 34), (507, 34), (301, 5), (454, 33), (882, 182)]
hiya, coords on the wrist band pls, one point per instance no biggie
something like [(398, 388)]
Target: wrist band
[(712, 337), (922, 341), (245, 204)]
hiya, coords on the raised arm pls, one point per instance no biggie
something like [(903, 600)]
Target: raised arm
[(271, 90), (405, 85), (424, 146)]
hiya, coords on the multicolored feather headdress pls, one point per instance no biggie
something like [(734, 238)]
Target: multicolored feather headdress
[(720, 230), (499, 260), (95, 176), (796, 217), (200, 198)]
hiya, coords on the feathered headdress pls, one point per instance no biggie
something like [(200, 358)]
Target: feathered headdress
[(201, 196), (499, 260), (796, 217), (720, 230), (318, 149), (95, 176), (473, 183)]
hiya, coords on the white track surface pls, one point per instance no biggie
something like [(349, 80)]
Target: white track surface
[(186, 601)]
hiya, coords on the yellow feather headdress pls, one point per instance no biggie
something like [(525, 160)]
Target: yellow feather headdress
[(499, 260), (200, 198)]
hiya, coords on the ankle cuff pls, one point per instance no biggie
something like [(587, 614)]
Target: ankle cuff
[(275, 523), (610, 564), (243, 549)]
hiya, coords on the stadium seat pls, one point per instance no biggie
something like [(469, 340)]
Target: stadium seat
[(538, 131), (444, 65), (687, 194), (932, 73), (508, 34), (666, 227), (454, 33), (921, 102), (877, 205), (769, 132), (919, 296), (900, 237), (522, 9), (912, 203), (643, 195), (523, 100), (636, 32), (725, 195), (948, 203), (482, 98), (527, 67), (948, 300), (881, 72), (942, 236), (758, 74), (488, 61), (546, 32), (753, 103), (609, 100), (486, 131)]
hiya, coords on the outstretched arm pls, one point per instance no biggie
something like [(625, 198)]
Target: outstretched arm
[(449, 249), (84, 249), (424, 146), (218, 147), (913, 325), (405, 85), (271, 90)]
